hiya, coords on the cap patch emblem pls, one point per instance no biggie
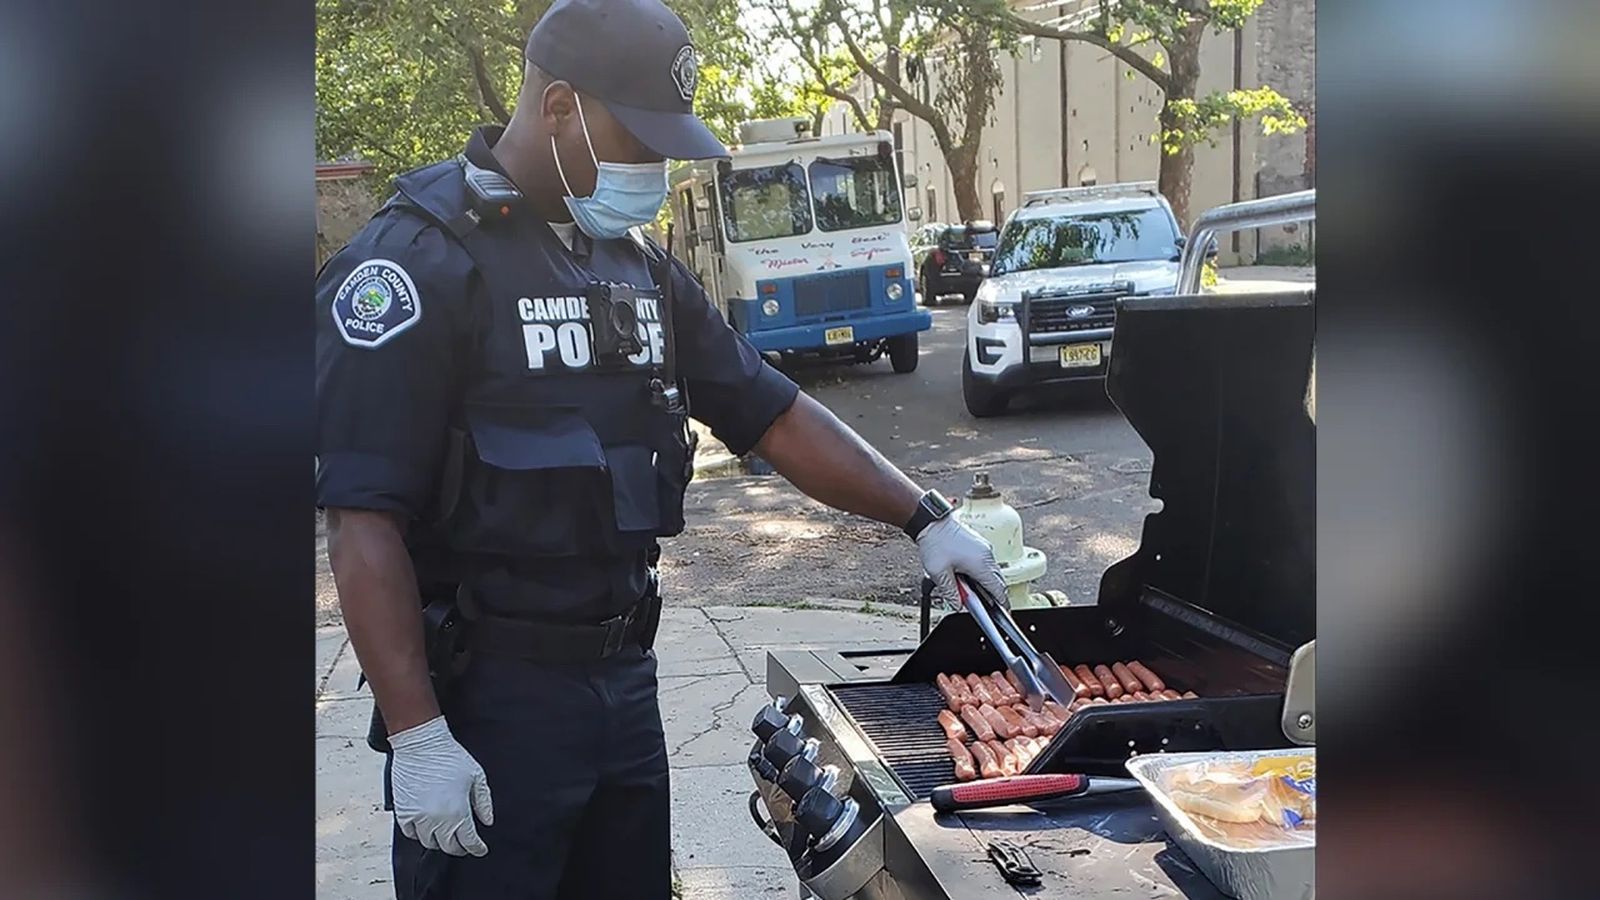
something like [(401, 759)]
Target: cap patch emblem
[(686, 72)]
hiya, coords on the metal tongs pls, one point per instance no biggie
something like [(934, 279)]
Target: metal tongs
[(1037, 674)]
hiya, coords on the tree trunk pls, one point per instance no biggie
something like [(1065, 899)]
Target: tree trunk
[(1177, 169), (1176, 176), (963, 163)]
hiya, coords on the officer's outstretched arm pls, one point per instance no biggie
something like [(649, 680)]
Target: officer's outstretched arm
[(829, 462), (383, 612)]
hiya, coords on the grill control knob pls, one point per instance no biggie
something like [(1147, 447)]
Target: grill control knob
[(817, 812), (781, 748), (760, 765), (798, 777), (769, 721)]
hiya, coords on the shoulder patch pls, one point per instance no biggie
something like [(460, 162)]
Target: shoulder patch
[(376, 302)]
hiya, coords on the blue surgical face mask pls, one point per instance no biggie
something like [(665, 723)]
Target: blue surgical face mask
[(625, 194)]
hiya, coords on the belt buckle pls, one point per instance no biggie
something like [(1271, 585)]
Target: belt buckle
[(616, 633)]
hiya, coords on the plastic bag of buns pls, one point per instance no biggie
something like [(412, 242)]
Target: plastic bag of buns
[(1271, 802)]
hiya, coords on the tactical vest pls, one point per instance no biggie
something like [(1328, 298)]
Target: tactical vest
[(552, 454)]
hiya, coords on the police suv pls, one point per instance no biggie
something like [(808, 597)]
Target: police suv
[(1044, 314)]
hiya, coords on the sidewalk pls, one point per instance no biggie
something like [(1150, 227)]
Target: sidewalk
[(712, 676)]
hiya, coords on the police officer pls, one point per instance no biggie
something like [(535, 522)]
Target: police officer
[(504, 370)]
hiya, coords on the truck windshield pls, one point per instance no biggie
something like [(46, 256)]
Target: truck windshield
[(767, 202), (1051, 243), (854, 192)]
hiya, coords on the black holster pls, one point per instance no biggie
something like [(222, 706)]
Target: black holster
[(443, 641)]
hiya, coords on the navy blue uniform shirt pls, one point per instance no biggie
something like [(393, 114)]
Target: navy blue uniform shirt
[(388, 388)]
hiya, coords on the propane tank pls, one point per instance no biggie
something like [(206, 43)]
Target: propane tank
[(983, 511)]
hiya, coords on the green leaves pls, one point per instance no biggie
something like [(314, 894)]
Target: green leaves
[(1191, 121), (401, 83)]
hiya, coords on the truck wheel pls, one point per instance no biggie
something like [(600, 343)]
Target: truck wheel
[(982, 401), (927, 292), (903, 352)]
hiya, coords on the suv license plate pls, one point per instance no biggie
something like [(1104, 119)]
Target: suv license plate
[(975, 256), (845, 335), (1076, 355)]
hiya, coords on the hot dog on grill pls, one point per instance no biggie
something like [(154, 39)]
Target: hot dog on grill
[(1108, 681), (1140, 696), (1001, 725), (1078, 687), (953, 729), (1011, 691), (988, 763), (1015, 684), (1096, 688), (981, 729), (981, 691), (999, 687), (1008, 760), (1189, 695), (966, 769), (1152, 682), (1060, 712), (1130, 684), (960, 692), (952, 700), (1043, 722), (1019, 725), (1170, 694), (1021, 751)]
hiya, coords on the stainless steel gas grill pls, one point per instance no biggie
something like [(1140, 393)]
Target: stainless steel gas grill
[(1217, 599)]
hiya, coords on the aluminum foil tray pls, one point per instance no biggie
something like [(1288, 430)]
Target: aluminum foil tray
[(1286, 873)]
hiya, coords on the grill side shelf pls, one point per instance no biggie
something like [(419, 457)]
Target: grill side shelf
[(902, 721)]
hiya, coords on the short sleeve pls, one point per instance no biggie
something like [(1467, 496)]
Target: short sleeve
[(732, 389), (390, 315)]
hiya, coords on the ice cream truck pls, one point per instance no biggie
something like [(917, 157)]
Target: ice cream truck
[(800, 242)]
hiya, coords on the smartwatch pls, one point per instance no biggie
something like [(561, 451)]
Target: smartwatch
[(930, 508)]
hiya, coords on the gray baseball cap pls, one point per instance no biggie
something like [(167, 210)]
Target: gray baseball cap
[(635, 56)]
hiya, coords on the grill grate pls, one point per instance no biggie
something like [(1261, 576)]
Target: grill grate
[(902, 720)]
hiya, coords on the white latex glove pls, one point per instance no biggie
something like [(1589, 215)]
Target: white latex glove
[(437, 787), (948, 547)]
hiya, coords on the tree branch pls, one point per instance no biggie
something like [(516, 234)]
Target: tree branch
[(480, 71), (1123, 52), (903, 97), (855, 104), (491, 98)]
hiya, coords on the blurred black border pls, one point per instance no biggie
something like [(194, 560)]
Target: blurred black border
[(1457, 338), (155, 440)]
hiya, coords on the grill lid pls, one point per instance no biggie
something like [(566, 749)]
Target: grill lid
[(1216, 386)]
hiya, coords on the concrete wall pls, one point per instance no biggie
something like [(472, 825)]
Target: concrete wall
[(1287, 60), (1110, 121)]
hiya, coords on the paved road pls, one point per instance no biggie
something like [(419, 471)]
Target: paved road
[(1071, 464)]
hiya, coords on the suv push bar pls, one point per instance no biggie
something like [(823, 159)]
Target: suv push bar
[(1299, 206)]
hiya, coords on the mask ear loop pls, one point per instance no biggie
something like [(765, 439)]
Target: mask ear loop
[(556, 153)]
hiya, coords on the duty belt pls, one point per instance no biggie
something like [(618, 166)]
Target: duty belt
[(562, 642)]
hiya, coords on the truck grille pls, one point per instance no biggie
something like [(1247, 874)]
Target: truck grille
[(902, 720), (821, 295), (1051, 313)]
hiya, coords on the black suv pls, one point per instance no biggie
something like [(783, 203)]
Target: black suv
[(959, 261)]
